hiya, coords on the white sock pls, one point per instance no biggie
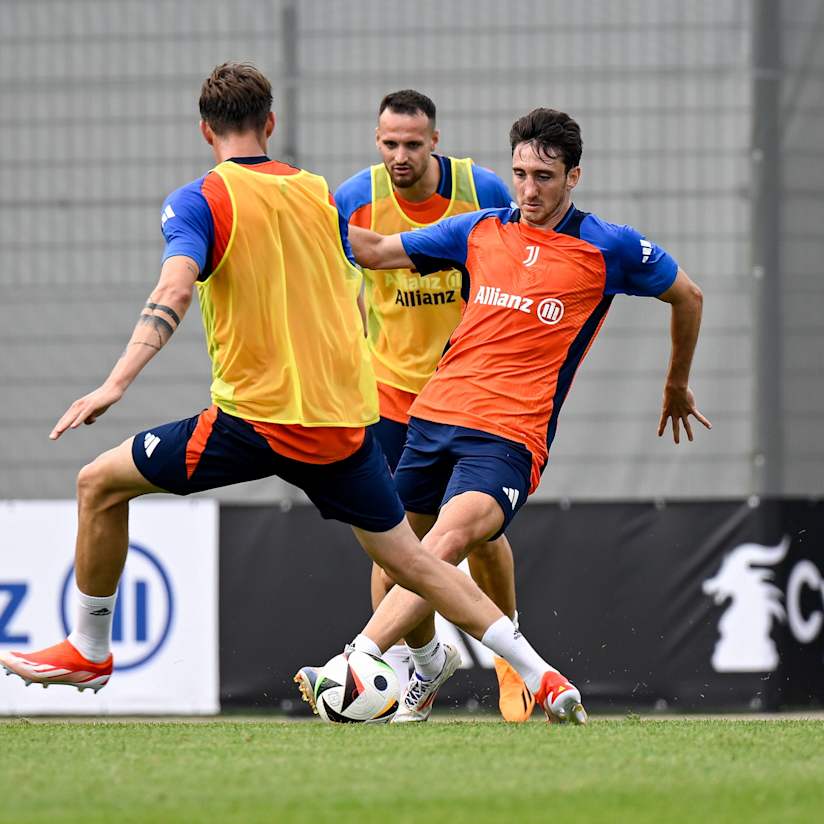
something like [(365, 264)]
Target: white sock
[(429, 659), (362, 643), (504, 639), (92, 633), (515, 624), (398, 658)]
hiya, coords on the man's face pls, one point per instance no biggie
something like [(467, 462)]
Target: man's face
[(406, 142), (542, 185)]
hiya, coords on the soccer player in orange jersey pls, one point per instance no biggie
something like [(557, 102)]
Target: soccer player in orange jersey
[(293, 389), (409, 318), (538, 281)]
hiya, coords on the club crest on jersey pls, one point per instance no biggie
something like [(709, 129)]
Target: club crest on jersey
[(531, 255)]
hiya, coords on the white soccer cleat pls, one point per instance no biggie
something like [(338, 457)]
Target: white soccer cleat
[(419, 695), (560, 700)]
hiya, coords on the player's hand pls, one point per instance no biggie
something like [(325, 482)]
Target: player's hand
[(679, 404), (86, 409)]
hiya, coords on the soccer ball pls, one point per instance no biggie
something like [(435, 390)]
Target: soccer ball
[(356, 689)]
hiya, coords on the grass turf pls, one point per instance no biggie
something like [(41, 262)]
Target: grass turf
[(461, 771)]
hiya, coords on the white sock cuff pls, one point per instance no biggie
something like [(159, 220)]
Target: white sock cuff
[(427, 649), (363, 643), (92, 602), (502, 628)]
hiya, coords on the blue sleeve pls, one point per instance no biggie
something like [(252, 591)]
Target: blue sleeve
[(635, 265), (187, 225), (354, 193), (444, 245), (491, 190), (343, 226)]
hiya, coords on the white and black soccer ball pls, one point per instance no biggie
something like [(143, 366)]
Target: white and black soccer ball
[(356, 689)]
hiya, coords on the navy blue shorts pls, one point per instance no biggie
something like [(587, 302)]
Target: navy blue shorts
[(441, 461), (391, 436), (357, 490)]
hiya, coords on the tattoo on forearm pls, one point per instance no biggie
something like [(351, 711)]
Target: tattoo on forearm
[(162, 328), (142, 343), (159, 307)]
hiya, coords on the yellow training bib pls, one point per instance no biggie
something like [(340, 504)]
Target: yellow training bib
[(410, 317), (280, 313)]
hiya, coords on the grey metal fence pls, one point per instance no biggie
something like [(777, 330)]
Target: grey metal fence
[(98, 122)]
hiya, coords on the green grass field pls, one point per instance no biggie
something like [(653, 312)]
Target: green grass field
[(660, 771)]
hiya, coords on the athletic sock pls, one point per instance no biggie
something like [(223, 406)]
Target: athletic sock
[(504, 639), (92, 634), (517, 627), (429, 659), (398, 658), (363, 643)]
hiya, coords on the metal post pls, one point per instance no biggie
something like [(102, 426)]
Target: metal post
[(288, 112), (768, 441)]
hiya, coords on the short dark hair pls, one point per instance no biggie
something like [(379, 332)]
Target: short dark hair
[(235, 97), (408, 101), (549, 132)]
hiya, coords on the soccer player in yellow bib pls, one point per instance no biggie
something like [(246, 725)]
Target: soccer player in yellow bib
[(293, 391), (409, 319)]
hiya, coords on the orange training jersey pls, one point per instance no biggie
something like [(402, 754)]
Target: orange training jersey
[(410, 318), (535, 302)]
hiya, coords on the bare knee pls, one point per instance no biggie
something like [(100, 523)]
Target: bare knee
[(451, 546), (489, 550), (95, 488)]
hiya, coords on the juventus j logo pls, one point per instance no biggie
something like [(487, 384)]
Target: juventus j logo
[(531, 255)]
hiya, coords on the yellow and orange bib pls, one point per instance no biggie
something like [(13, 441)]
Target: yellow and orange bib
[(410, 317), (279, 310)]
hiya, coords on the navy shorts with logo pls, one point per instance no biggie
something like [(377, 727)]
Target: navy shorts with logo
[(391, 436), (441, 461), (357, 490)]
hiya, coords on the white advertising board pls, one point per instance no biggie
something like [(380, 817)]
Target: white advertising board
[(165, 630)]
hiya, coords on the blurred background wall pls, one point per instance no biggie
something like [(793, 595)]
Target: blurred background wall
[(703, 126)]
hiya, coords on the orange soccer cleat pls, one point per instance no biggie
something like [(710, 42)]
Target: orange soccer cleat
[(60, 664), (560, 699), (515, 701)]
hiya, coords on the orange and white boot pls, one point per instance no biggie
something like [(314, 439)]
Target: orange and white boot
[(515, 701), (60, 664), (560, 699)]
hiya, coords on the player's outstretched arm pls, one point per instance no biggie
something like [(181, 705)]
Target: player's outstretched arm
[(158, 320), (376, 251), (687, 301)]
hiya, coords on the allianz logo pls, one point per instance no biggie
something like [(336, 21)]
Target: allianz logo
[(745, 581), (493, 296), (549, 311)]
